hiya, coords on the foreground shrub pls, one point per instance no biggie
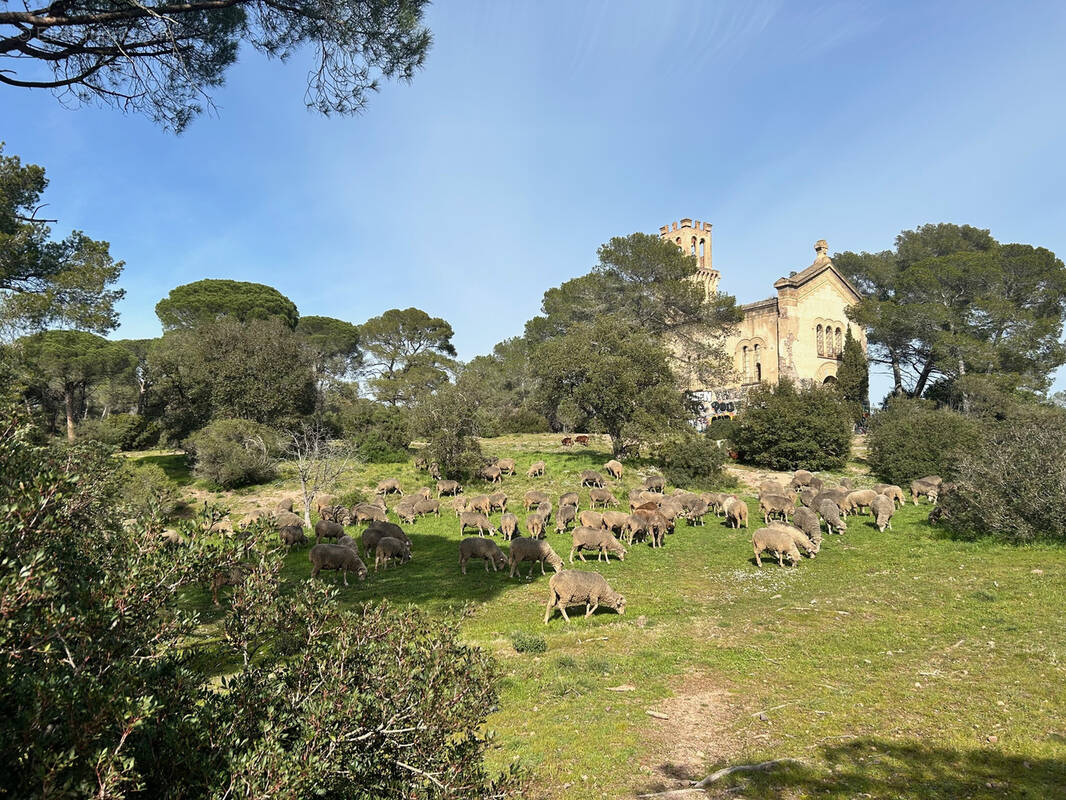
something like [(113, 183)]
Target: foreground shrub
[(230, 453), (1012, 485), (912, 438), (692, 461), (315, 701), (785, 428)]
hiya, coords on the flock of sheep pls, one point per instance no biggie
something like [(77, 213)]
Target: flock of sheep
[(793, 515)]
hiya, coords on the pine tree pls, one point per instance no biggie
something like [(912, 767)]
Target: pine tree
[(853, 377)]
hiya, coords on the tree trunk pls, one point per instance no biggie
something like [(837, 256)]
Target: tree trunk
[(308, 498), (923, 378), (68, 401), (897, 377)]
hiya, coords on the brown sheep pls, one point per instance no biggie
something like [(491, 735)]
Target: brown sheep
[(570, 499), (776, 541), (324, 529), (379, 501), (388, 549), (922, 488), (424, 492), (581, 438), (807, 521), (535, 526), (336, 557), (596, 539), (509, 526), (602, 497), (324, 501), (770, 504), (390, 529), (803, 542), (545, 510), (651, 523), (480, 503), (498, 501), (407, 514), (576, 588), (614, 469), (536, 470), (655, 483), (365, 512), (285, 519), (506, 465), (426, 507), (566, 515), (858, 500), (234, 576), (533, 498), (591, 477), (534, 550), (285, 504), (801, 477), (448, 487), (736, 513), (492, 474), (471, 519), (292, 535), (883, 507), (830, 512), (590, 519), (389, 486), (485, 549), (893, 491), (614, 521)]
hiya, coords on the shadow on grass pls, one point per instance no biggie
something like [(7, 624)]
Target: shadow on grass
[(175, 465), (885, 768)]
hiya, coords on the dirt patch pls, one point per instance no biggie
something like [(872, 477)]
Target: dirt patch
[(751, 478), (698, 730)]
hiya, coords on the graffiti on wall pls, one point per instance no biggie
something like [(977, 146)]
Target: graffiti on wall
[(712, 405)]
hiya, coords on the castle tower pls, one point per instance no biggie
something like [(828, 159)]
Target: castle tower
[(695, 239)]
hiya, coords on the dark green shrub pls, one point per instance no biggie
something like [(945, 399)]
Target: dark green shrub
[(447, 420), (124, 431), (230, 453), (692, 461), (785, 428), (528, 642), (912, 438), (1012, 484), (380, 434), (524, 420), (721, 428)]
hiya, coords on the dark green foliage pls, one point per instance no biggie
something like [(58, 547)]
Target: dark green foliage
[(124, 431), (853, 377), (234, 452), (721, 428), (505, 384), (408, 353), (1013, 483), (912, 438), (334, 345), (45, 282), (161, 60), (786, 428), (692, 461), (528, 642), (147, 494), (447, 421), (380, 433), (193, 304)]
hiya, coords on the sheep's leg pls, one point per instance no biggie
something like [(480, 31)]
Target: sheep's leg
[(542, 572), (589, 609), (780, 559), (758, 561), (572, 555), (550, 608), (562, 610), (344, 572)]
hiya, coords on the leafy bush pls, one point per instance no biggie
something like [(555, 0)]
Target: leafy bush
[(447, 419), (721, 428), (692, 461), (124, 431), (147, 492), (1013, 483), (912, 438), (785, 428), (380, 434), (230, 453), (528, 642)]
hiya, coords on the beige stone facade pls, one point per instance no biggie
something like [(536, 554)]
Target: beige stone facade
[(799, 332)]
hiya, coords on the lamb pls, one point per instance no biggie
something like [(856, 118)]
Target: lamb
[(807, 521), (736, 513), (471, 519), (509, 526), (570, 499), (533, 498), (590, 519), (535, 526), (596, 539), (775, 504), (924, 488), (336, 557), (830, 512), (777, 541), (614, 521), (325, 529), (485, 549), (803, 542), (602, 497), (575, 588), (655, 483), (292, 535), (425, 507), (883, 507), (614, 469), (389, 486), (448, 487), (498, 501), (506, 466), (566, 515), (492, 474), (523, 549), (801, 477), (366, 512), (858, 500), (388, 549), (591, 477), (536, 470)]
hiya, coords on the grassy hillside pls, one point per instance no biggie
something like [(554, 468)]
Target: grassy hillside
[(900, 664)]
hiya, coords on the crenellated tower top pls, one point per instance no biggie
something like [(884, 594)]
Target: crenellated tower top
[(694, 238)]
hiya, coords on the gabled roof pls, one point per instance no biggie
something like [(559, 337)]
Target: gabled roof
[(820, 265)]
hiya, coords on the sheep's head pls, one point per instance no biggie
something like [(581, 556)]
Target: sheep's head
[(620, 605), (361, 573)]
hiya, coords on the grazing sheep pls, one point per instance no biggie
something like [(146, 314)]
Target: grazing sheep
[(816, 484), (535, 550), (486, 549), (570, 499), (255, 517), (614, 521), (491, 473), (566, 515), (567, 441), (389, 486), (602, 497), (695, 512), (424, 492), (801, 477), (292, 535), (614, 469), (331, 557), (923, 488), (770, 504), (536, 470), (498, 501), (578, 588), (407, 514), (426, 507), (836, 495), (285, 504), (858, 500), (325, 529), (883, 507), (509, 526), (736, 513), (333, 514), (581, 438), (284, 519), (830, 512), (348, 541), (234, 576), (806, 496), (936, 480), (533, 498), (591, 477), (379, 501), (655, 483), (545, 510), (388, 549), (448, 487), (651, 523), (471, 519), (366, 512), (847, 484), (324, 501), (590, 519), (893, 491), (480, 503), (386, 529), (776, 541), (772, 487), (596, 539), (803, 542), (506, 466), (807, 521), (652, 497), (716, 502), (535, 526)]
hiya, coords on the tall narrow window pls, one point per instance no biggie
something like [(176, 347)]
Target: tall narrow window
[(692, 249), (758, 373), (745, 362), (703, 251), (821, 342), (840, 344)]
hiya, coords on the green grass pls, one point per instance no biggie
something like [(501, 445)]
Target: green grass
[(901, 664)]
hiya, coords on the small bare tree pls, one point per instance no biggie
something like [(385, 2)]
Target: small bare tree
[(320, 461)]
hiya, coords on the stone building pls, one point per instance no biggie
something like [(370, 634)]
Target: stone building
[(799, 332)]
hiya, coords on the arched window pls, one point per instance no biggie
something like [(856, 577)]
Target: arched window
[(692, 250), (840, 344), (703, 250), (758, 372), (821, 342), (745, 362)]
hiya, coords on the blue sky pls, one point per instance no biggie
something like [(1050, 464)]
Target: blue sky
[(539, 130)]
